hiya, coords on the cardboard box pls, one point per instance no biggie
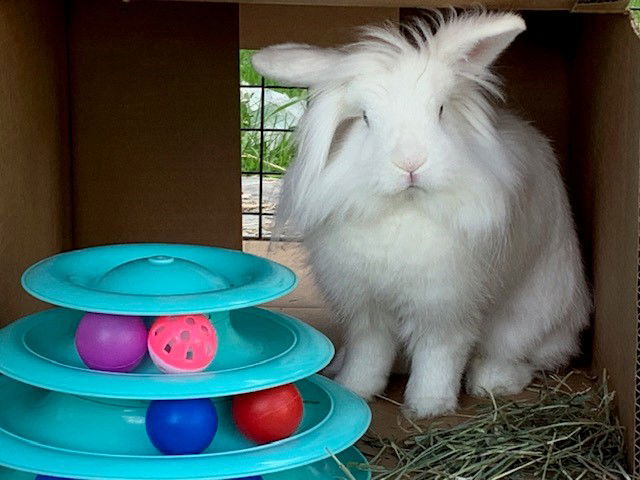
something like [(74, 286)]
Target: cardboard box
[(120, 122)]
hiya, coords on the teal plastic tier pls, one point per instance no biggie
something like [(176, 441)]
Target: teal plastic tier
[(326, 469), (257, 349), (91, 438), (157, 279)]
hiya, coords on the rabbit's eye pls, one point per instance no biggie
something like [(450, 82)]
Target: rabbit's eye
[(365, 118), (441, 111)]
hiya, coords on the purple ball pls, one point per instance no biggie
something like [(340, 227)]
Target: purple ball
[(113, 343)]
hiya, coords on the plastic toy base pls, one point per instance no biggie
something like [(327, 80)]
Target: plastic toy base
[(257, 349), (323, 470), (55, 434)]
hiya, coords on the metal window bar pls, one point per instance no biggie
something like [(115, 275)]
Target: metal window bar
[(261, 213), (278, 87), (261, 164), (250, 129)]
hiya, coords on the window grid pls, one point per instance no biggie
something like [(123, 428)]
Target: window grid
[(260, 172)]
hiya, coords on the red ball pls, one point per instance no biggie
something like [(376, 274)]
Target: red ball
[(268, 415)]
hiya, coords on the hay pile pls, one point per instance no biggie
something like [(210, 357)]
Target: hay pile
[(559, 433)]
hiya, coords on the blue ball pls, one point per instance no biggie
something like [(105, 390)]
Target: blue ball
[(255, 477), (181, 427)]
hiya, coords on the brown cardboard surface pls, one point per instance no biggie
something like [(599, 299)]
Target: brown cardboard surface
[(155, 122), (33, 140), (262, 25), (605, 141), (538, 87), (293, 255)]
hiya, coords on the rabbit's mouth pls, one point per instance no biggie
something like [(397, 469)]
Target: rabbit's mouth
[(414, 186), (412, 192)]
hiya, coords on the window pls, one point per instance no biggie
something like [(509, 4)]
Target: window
[(268, 115)]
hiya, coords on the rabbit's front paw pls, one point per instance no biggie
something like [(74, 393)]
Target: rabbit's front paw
[(426, 407), (497, 376)]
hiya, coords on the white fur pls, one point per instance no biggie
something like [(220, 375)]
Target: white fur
[(470, 262)]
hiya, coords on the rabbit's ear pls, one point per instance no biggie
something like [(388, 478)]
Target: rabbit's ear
[(477, 39), (295, 64)]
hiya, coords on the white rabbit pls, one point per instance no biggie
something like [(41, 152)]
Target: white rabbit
[(436, 223)]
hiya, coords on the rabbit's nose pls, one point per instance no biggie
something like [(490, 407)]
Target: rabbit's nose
[(410, 165)]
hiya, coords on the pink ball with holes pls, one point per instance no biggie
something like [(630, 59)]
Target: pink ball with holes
[(182, 343)]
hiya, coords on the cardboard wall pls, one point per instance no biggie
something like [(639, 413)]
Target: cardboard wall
[(155, 122), (263, 25), (535, 70), (605, 144), (33, 144)]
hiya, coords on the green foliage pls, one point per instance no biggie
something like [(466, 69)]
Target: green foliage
[(248, 118), (248, 76), (250, 151), (279, 150)]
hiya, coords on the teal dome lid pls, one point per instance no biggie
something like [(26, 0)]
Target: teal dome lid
[(161, 275), (157, 279)]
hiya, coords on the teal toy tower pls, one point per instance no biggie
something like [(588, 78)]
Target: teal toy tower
[(60, 419)]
